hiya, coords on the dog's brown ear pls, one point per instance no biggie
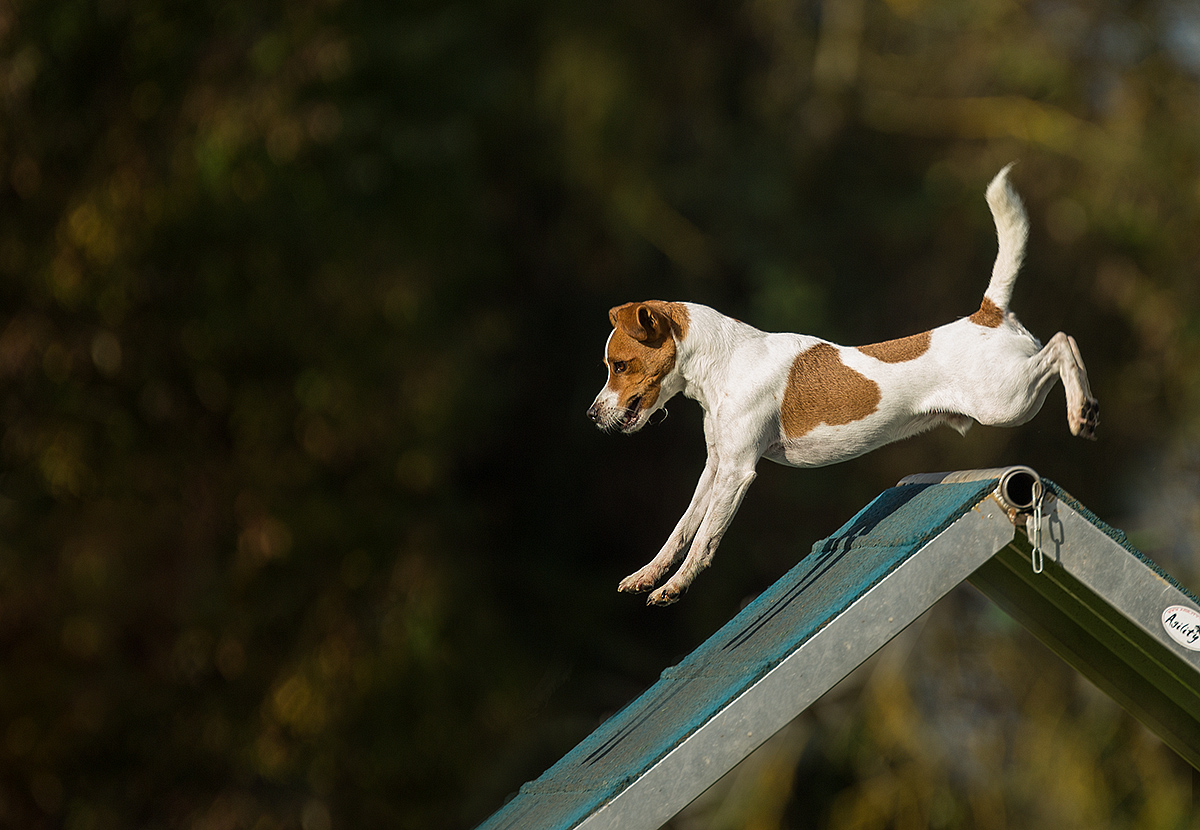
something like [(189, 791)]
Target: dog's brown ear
[(640, 321)]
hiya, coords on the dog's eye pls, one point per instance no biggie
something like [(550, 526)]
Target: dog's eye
[(619, 366)]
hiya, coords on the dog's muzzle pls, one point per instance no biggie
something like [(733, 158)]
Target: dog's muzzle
[(606, 417)]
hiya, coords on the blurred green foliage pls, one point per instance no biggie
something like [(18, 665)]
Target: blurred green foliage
[(301, 523)]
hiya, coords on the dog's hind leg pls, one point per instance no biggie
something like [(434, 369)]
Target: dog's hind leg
[(1061, 356), (1083, 410), (1014, 389)]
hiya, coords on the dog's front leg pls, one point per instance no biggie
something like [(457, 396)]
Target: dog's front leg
[(728, 489), (652, 573), (677, 543)]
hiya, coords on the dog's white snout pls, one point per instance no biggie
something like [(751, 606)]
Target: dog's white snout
[(601, 411)]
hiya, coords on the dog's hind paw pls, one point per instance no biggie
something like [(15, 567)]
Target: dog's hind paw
[(1084, 424)]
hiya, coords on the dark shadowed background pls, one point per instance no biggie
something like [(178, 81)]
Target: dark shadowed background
[(302, 524)]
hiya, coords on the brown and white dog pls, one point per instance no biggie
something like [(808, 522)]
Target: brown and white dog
[(806, 402)]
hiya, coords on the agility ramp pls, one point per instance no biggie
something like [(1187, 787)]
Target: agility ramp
[(1082, 589)]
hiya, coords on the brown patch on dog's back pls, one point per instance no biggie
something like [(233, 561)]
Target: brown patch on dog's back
[(989, 315), (899, 351), (823, 390)]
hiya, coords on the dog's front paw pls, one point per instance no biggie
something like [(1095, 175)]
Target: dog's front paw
[(1088, 419), (666, 595), (638, 583)]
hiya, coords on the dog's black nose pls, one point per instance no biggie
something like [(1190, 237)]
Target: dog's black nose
[(594, 413)]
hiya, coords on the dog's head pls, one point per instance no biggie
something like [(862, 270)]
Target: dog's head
[(641, 359)]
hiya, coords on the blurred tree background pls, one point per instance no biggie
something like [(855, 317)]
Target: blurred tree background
[(301, 304)]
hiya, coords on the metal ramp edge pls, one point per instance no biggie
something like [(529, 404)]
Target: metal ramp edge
[(1098, 603)]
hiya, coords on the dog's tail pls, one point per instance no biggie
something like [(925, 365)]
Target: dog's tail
[(1012, 228)]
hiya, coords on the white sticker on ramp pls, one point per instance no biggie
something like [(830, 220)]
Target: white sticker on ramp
[(1183, 626)]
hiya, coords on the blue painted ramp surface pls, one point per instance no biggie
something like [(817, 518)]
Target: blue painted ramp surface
[(824, 584)]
